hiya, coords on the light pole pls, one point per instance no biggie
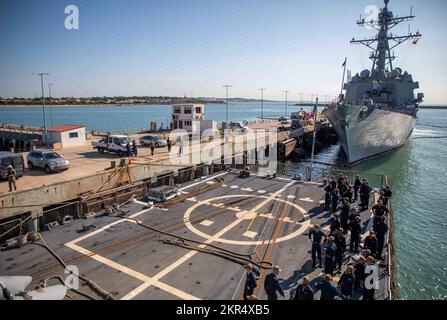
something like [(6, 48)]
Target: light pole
[(313, 95), (226, 86), (286, 92), (41, 75), (262, 102), (51, 104), (301, 97)]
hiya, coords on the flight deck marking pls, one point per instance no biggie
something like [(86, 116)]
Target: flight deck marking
[(244, 215), (197, 183), (206, 223), (191, 254), (147, 281), (250, 234)]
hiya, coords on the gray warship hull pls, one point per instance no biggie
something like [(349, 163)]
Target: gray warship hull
[(367, 134)]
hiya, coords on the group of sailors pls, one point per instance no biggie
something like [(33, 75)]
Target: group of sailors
[(330, 249)]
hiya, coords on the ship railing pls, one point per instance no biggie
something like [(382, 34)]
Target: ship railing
[(392, 283)]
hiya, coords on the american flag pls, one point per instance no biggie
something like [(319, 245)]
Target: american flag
[(311, 115)]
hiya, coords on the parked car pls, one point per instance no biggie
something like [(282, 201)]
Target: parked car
[(113, 143), (46, 159), (159, 142), (13, 159)]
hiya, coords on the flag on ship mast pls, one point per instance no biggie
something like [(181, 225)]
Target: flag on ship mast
[(344, 63), (415, 41), (315, 113), (311, 115)]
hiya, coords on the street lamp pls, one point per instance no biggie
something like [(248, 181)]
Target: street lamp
[(41, 75), (286, 92), (301, 97), (51, 107), (262, 102), (226, 86)]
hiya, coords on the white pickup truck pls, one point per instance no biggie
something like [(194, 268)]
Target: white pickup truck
[(114, 143)]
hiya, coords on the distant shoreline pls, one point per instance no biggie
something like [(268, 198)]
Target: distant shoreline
[(148, 104), (118, 104), (432, 107), (79, 105)]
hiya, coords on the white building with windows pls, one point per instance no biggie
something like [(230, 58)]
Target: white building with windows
[(191, 117), (67, 135)]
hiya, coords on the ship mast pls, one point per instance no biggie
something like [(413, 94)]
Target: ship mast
[(381, 54)]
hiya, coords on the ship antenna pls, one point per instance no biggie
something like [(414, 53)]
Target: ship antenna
[(385, 41)]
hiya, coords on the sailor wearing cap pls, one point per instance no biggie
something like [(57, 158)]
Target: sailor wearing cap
[(316, 236), (250, 281), (271, 284)]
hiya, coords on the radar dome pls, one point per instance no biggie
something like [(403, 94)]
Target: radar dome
[(364, 74), (397, 72)]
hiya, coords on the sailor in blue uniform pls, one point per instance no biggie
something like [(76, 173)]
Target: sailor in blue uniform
[(347, 282), (327, 196), (329, 255), (356, 229), (371, 243), (316, 236), (365, 191), (328, 290), (250, 282), (381, 230), (340, 242), (334, 223), (304, 291), (271, 284), (344, 214), (357, 184), (335, 199)]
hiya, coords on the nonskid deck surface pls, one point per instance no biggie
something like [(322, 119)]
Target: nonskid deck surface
[(268, 216)]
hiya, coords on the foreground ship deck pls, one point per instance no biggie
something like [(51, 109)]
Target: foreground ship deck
[(270, 216)]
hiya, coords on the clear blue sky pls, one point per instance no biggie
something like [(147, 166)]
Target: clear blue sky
[(169, 47)]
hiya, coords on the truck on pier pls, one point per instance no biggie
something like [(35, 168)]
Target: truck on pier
[(114, 143)]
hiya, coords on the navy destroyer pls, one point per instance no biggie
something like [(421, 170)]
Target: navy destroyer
[(378, 111)]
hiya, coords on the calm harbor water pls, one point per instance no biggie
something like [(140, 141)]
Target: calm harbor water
[(122, 118), (417, 173)]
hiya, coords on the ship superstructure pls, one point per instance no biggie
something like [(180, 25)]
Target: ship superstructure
[(378, 111)]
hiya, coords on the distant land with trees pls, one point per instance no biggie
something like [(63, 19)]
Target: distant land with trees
[(120, 100)]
